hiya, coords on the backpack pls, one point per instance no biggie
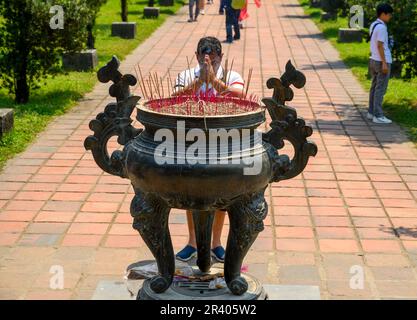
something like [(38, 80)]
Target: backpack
[(390, 38), (238, 4), (372, 32)]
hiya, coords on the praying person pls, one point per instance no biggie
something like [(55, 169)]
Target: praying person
[(209, 78)]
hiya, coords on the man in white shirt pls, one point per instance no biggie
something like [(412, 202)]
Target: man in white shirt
[(379, 63), (207, 78)]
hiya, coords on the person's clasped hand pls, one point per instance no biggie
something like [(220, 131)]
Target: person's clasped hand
[(207, 74)]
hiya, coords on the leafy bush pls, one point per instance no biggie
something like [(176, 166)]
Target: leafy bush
[(332, 6), (403, 26), (29, 48)]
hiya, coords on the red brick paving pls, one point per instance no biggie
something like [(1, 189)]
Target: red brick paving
[(355, 204)]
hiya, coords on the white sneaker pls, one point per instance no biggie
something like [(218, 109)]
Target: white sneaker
[(381, 120), (369, 116), (202, 12)]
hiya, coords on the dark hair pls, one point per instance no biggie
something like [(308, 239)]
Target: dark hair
[(383, 8), (207, 45)]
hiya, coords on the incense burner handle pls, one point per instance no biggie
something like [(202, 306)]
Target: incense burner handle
[(114, 121), (286, 125)]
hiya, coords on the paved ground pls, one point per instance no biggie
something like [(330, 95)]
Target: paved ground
[(352, 212)]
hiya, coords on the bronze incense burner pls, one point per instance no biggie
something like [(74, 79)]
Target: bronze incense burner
[(202, 187)]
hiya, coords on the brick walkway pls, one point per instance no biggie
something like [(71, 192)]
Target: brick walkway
[(355, 205)]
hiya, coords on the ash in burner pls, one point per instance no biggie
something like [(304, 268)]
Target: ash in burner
[(203, 106)]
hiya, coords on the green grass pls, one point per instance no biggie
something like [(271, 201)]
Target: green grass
[(58, 94), (400, 102)]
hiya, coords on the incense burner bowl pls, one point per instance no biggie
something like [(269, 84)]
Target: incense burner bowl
[(209, 180), (166, 171)]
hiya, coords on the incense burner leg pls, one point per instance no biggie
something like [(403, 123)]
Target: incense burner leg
[(203, 223), (151, 220), (246, 221)]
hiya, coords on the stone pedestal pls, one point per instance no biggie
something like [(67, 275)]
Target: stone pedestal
[(6, 120), (200, 291), (151, 12), (166, 3), (125, 30), (126, 290), (81, 61), (350, 35)]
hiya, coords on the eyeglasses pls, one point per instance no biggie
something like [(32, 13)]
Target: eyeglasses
[(209, 50), (213, 57)]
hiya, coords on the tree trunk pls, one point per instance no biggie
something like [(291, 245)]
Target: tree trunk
[(90, 38), (124, 10), (22, 87)]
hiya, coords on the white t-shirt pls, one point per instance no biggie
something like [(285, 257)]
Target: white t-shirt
[(184, 78), (380, 34)]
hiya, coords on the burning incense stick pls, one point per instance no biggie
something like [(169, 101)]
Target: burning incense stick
[(171, 88), (142, 86), (143, 83), (249, 78), (189, 71), (155, 82), (150, 88), (225, 71), (162, 88), (230, 71)]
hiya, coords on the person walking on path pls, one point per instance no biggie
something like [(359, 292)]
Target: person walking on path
[(208, 78), (244, 12), (202, 5), (191, 4), (232, 22), (221, 8), (379, 63)]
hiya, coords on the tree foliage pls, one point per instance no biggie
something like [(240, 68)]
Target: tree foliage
[(332, 6), (403, 27), (29, 48)]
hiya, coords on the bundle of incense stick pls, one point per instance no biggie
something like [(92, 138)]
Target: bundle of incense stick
[(193, 102), (203, 105)]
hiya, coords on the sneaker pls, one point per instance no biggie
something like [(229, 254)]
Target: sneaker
[(236, 38), (381, 120), (187, 253), (218, 253), (202, 12), (369, 116), (190, 20)]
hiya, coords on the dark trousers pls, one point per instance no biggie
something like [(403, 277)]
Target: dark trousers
[(232, 22), (222, 4), (378, 87), (191, 4)]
